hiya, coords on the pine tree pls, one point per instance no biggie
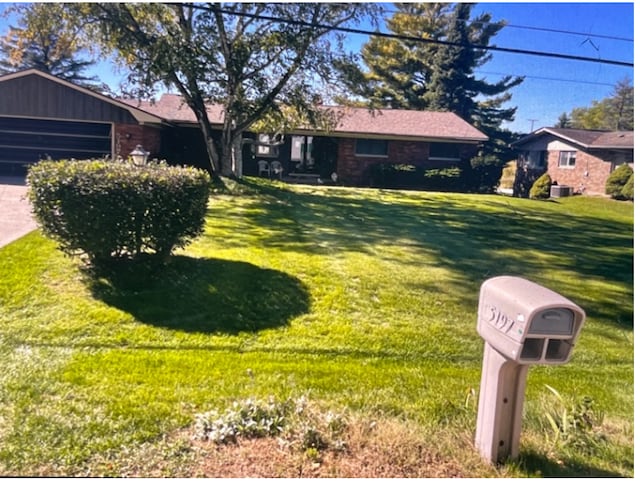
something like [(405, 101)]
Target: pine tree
[(564, 121), (408, 74)]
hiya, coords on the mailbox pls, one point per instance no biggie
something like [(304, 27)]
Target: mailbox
[(522, 324), (526, 322)]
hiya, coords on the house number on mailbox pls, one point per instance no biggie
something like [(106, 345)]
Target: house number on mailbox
[(501, 321)]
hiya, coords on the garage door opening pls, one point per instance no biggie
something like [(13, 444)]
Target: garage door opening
[(26, 141)]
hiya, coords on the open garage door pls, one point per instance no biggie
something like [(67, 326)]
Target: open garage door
[(26, 141)]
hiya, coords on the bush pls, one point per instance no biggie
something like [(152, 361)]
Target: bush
[(541, 189), (617, 180), (484, 175), (627, 190), (114, 210), (446, 179)]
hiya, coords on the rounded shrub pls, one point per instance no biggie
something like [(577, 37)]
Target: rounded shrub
[(112, 210), (627, 190), (616, 181), (541, 188)]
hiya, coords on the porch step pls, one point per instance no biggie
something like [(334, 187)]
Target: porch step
[(303, 175)]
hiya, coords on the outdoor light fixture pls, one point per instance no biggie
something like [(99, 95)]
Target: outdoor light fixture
[(522, 324), (139, 155)]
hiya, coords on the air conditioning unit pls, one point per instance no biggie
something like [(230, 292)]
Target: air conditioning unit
[(561, 191)]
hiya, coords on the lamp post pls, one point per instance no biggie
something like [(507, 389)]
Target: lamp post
[(139, 155)]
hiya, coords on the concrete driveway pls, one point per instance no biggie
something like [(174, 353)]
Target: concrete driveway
[(15, 210)]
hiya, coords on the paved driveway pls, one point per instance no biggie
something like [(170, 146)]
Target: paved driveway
[(15, 210)]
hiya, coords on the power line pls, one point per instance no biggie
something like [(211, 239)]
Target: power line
[(547, 78), (530, 27), (356, 31)]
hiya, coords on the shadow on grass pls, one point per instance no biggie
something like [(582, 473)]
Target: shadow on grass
[(203, 295), (541, 466), (521, 239)]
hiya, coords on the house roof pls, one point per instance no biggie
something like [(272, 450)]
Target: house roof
[(173, 108), (588, 139), (352, 121), (139, 114)]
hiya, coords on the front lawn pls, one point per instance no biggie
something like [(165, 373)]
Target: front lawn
[(363, 301)]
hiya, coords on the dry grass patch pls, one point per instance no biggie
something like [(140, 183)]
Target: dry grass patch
[(381, 449)]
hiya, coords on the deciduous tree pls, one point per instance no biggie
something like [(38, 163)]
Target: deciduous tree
[(611, 113), (44, 40), (259, 60)]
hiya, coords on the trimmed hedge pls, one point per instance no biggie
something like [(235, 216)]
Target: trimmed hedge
[(627, 190), (541, 189), (617, 180), (112, 210)]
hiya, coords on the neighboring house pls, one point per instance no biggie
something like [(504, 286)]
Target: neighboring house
[(578, 158), (43, 116)]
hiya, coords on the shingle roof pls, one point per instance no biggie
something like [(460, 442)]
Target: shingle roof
[(589, 139), (351, 120), (172, 107)]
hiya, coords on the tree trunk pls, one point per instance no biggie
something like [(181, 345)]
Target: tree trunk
[(207, 132), (236, 155), (227, 147)]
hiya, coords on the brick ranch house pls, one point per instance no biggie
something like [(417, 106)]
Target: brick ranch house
[(578, 158), (44, 116)]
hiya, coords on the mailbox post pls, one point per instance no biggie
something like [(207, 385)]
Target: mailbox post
[(522, 324)]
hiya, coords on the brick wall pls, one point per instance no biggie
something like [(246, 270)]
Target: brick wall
[(128, 136), (590, 172), (354, 169)]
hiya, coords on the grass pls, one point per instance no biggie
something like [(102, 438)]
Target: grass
[(361, 300)]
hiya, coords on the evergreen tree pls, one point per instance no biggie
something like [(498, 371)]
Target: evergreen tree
[(564, 121), (430, 76), (398, 72)]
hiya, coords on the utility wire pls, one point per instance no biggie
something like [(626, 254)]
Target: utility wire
[(548, 78), (303, 23), (530, 27)]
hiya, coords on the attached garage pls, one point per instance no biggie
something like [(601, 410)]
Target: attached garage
[(29, 140), (44, 117)]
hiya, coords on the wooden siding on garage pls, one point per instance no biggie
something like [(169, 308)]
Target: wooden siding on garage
[(37, 97)]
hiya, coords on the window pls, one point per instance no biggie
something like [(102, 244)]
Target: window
[(534, 159), (444, 151), (266, 146), (371, 147), (567, 159)]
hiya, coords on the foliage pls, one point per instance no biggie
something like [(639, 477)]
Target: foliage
[(564, 121), (295, 421), (541, 188), (46, 41), (410, 176), (115, 210), (575, 423), (406, 74), (261, 61), (613, 113), (616, 181), (627, 190)]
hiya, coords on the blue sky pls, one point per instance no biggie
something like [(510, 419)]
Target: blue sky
[(540, 99)]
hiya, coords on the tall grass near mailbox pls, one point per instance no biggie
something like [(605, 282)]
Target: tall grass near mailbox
[(112, 211)]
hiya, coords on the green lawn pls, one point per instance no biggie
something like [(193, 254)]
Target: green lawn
[(363, 300)]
